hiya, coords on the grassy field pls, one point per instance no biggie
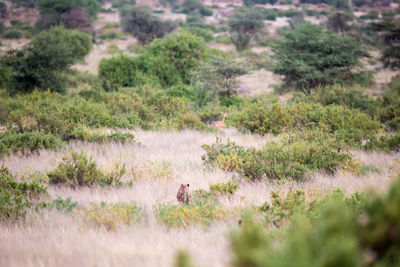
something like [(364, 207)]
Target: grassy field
[(165, 159)]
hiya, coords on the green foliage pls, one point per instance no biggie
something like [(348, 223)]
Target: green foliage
[(243, 25), (353, 97), (389, 112), (195, 7), (249, 3), (16, 198), (121, 4), (144, 25), (333, 231), (228, 188), (122, 71), (385, 143), (78, 170), (379, 231), (169, 62), (173, 59), (110, 216), (31, 141), (308, 57), (183, 259), (291, 157), (58, 9), (349, 127), (218, 77), (64, 204), (200, 210), (42, 63)]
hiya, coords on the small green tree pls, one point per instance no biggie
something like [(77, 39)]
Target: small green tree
[(339, 22), (389, 29), (218, 77), (244, 24), (55, 11), (42, 62), (174, 58), (308, 56), (143, 25)]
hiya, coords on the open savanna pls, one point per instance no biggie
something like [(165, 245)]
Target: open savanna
[(157, 164)]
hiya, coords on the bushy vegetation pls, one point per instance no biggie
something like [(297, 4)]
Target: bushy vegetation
[(168, 62), (308, 56), (79, 170), (16, 198), (291, 157), (244, 24), (335, 230), (43, 62), (110, 216), (200, 210), (144, 25), (228, 188)]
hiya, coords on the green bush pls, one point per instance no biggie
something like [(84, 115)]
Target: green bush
[(334, 231), (386, 143), (112, 215), (78, 170), (11, 141), (308, 56), (43, 62), (12, 34), (16, 198), (200, 210), (291, 157), (352, 97), (348, 126), (228, 188), (144, 25)]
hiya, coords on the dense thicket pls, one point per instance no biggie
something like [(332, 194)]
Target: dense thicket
[(308, 56), (42, 63)]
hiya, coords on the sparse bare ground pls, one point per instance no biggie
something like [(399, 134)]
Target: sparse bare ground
[(53, 238)]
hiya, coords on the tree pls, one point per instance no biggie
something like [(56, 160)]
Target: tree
[(174, 58), (196, 7), (3, 11), (243, 25), (144, 25), (339, 22), (58, 9), (78, 19), (43, 62), (218, 77), (308, 56), (389, 29)]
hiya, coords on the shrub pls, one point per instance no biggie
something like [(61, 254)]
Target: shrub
[(349, 127), (352, 97), (78, 170), (228, 188), (308, 57), (199, 211), (144, 25), (288, 158), (386, 143), (243, 25), (12, 34), (64, 204), (11, 141), (110, 216), (16, 198), (42, 63), (338, 231), (219, 77), (173, 59)]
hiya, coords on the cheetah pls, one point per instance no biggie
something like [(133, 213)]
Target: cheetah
[(183, 194)]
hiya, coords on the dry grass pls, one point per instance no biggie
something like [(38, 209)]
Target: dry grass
[(54, 238)]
